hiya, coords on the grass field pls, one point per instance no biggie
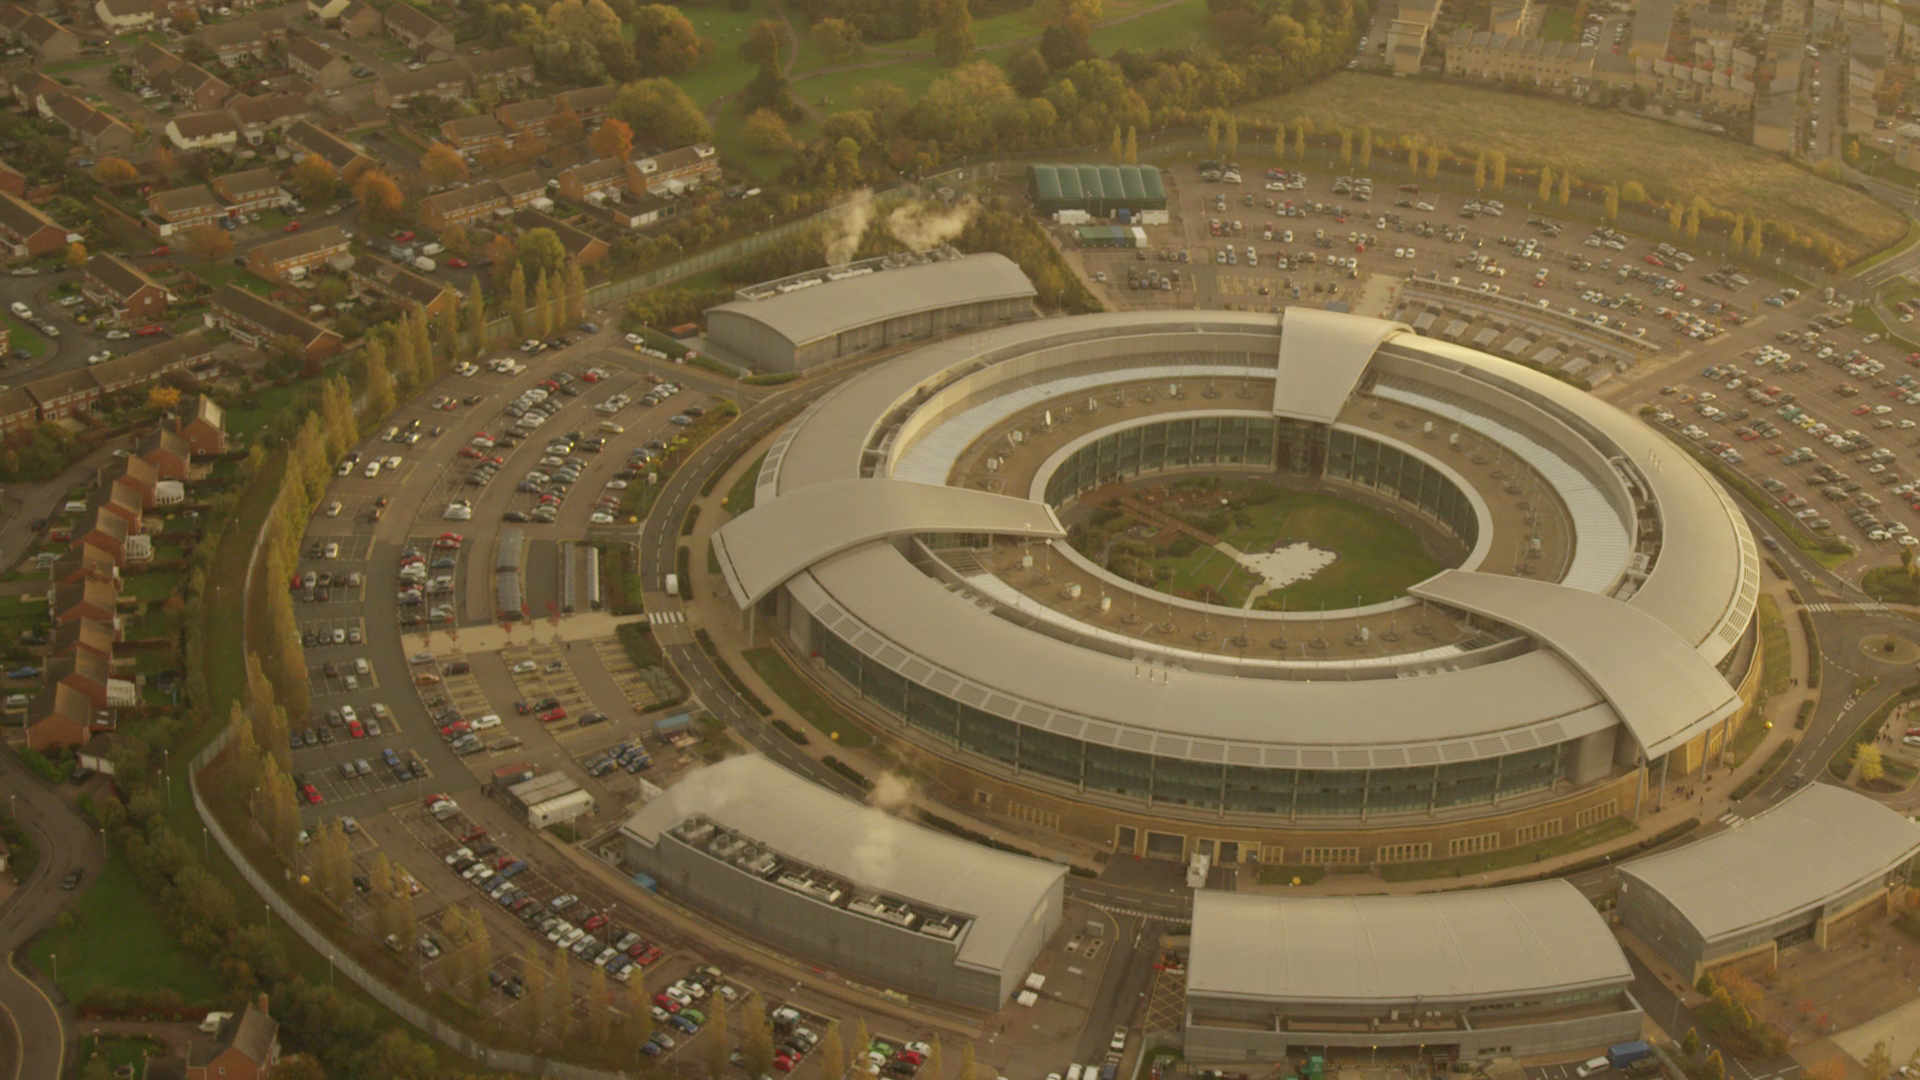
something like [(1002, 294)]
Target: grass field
[(1468, 865), (1211, 569), (804, 700), (1556, 24), (1776, 657), (119, 940), (1607, 146), (22, 336), (1378, 559), (740, 495)]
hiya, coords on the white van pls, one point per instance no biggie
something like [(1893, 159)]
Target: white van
[(1073, 1071), (373, 468), (1591, 1066)]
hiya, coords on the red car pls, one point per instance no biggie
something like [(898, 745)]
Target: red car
[(648, 956), (594, 922), (402, 236), (445, 544), (469, 452), (911, 1057), (457, 262), (292, 226), (149, 331), (458, 727), (161, 250), (589, 377), (60, 536), (666, 1003), (551, 715), (783, 1063), (354, 729), (311, 794), (474, 834)]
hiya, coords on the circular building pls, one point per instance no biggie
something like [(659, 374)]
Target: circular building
[(1306, 590)]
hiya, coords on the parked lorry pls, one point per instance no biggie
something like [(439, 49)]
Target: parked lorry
[(1623, 1055)]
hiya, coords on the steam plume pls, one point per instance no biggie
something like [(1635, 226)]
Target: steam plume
[(845, 229), (923, 226)]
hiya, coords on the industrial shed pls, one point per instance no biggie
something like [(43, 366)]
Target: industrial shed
[(844, 885), (1515, 971), (812, 323), (1100, 190), (1798, 872)]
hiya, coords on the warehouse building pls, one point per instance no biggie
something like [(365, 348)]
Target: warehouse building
[(1804, 870), (1102, 191), (844, 885), (803, 322), (1526, 969)]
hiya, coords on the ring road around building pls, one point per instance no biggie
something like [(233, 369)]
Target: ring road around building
[(1588, 633)]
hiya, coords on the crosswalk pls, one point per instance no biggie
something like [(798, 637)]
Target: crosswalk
[(666, 618), (1730, 818), (1869, 606)]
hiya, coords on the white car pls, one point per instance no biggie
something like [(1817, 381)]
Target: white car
[(525, 667), (100, 357), (491, 720), (118, 335), (22, 310)]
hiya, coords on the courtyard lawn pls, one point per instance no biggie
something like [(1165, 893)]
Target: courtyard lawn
[(119, 940), (267, 404), (740, 495), (804, 700), (222, 272), (1211, 570), (1557, 24), (1378, 557), (22, 336)]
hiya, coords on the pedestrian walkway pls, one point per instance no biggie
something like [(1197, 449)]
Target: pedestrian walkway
[(1864, 605), (666, 618)]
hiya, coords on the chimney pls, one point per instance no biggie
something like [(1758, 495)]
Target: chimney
[(262, 1003)]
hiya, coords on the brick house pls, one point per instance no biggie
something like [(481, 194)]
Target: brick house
[(42, 35), (246, 1048), (88, 558), (28, 230), (142, 366), (606, 175), (362, 20), (305, 137), (167, 452), (318, 64), (504, 68), (526, 119), (194, 87), (150, 60), (462, 205), (128, 16), (524, 189), (12, 180), (262, 323), (203, 423), (589, 103), (125, 290), (175, 211), (585, 248), (109, 529), (674, 171), (82, 635), (233, 42), (217, 130), (263, 113), (251, 191), (295, 256), (141, 478), (99, 132), (89, 599), (472, 134), (403, 285), (65, 394), (18, 410), (62, 716), (84, 672), (425, 35), (446, 80)]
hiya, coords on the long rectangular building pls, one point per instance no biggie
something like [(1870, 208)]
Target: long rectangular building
[(1511, 972), (845, 885)]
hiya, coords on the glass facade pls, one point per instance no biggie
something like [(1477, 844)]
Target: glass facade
[(1168, 444), (1397, 474), (1239, 789)]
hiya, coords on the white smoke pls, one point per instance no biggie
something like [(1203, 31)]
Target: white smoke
[(890, 793), (923, 226), (845, 228), (874, 852)]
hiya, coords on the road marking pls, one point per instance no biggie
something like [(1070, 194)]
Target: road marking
[(662, 618), (59, 1025), (1730, 818), (1868, 606)]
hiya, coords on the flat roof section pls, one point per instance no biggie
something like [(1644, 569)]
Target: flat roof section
[(1477, 945), (869, 848), (1322, 356), (1817, 844), (836, 306), (775, 540)]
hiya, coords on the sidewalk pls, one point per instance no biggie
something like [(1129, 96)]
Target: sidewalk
[(586, 626), (1705, 798)]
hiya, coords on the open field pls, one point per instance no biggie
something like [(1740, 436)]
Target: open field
[(740, 495), (119, 940), (1607, 146)]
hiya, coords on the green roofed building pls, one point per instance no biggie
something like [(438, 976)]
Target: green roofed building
[(1100, 190)]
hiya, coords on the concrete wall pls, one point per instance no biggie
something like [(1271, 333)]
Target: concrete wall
[(1207, 1043)]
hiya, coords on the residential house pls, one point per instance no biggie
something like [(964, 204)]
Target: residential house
[(33, 91), (525, 189), (527, 119), (166, 451), (31, 30), (82, 635), (463, 206), (605, 177), (18, 410), (142, 366), (100, 132), (504, 69), (293, 257), (589, 103), (446, 80), (586, 248), (246, 1048), (141, 478), (203, 423), (361, 20), (675, 171), (12, 180), (173, 212), (234, 42), (89, 599), (64, 394), (262, 323), (97, 755), (1564, 66), (131, 16), (85, 558), (318, 64), (264, 113), (305, 137), (217, 130), (150, 60), (63, 716), (27, 230), (124, 290), (84, 672), (110, 527), (426, 36), (472, 134), (403, 285), (326, 11), (194, 87), (251, 191)]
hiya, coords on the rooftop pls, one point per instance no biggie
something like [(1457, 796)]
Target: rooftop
[(810, 314)]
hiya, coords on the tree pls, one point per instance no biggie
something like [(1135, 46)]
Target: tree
[(1499, 162), (1131, 155), (1546, 185), (1280, 143), (76, 256), (756, 1037), (379, 197), (97, 1067), (114, 171), (1867, 763), (665, 42), (1633, 191), (833, 1056), (1433, 161), (535, 1008), (565, 128), (1676, 216), (1233, 137), (1714, 1067), (598, 1007), (1738, 241), (1346, 147), (476, 319), (299, 1067), (163, 398), (765, 132), (1366, 148), (612, 140), (838, 39), (966, 1062), (717, 1048), (1690, 1044), (517, 301), (862, 1042), (1118, 148), (540, 251), (449, 330), (953, 38), (1693, 222), (1566, 187), (638, 1027), (442, 166), (1612, 211), (208, 243), (932, 1069), (1879, 1064), (1756, 245), (560, 996), (314, 179), (542, 308), (1213, 135), (576, 291)]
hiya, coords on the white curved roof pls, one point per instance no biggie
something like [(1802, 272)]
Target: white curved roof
[(774, 541), (1664, 691), (1815, 846), (810, 314), (1473, 945), (1322, 356)]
